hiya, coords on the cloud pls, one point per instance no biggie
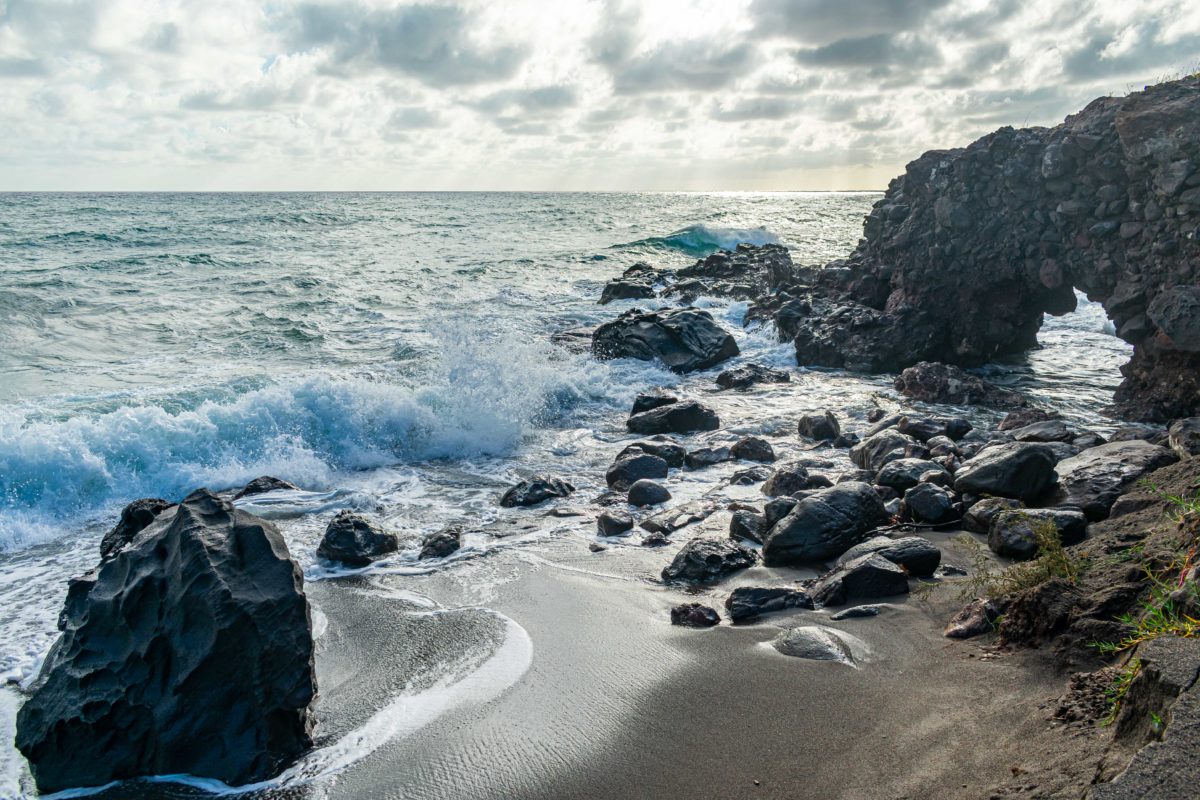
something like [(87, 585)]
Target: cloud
[(537, 100), (824, 21), (23, 68), (880, 53), (410, 118), (432, 43), (751, 108)]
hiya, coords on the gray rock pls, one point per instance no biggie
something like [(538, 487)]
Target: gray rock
[(748, 375), (750, 476), (1023, 470), (686, 416), (1184, 437), (707, 456), (694, 615), (648, 493), (753, 448), (661, 446), (708, 561), (858, 612), (188, 651), (1094, 479), (979, 516), (877, 450), (1024, 417), (977, 617), (1176, 312), (537, 489), (746, 602), (684, 340), (624, 289), (614, 523), (134, 518), (777, 509), (865, 578), (262, 485), (440, 544), (355, 541), (926, 502), (920, 557), (654, 399), (825, 524), (747, 525), (673, 519), (787, 479), (635, 466), (815, 643), (905, 473), (1012, 533), (819, 427), (1051, 430)]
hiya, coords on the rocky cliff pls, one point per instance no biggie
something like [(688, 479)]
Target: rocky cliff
[(970, 247)]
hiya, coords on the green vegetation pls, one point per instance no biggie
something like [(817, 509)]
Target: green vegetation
[(1160, 616), (1119, 688), (1053, 561)]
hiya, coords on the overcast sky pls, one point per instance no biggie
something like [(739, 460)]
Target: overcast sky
[(547, 94)]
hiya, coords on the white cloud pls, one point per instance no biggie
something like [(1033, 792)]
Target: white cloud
[(575, 94)]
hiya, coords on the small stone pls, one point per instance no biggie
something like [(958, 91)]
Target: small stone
[(694, 615)]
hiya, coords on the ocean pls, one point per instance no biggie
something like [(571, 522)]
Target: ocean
[(385, 352)]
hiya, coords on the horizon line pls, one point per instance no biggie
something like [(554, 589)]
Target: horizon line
[(441, 191)]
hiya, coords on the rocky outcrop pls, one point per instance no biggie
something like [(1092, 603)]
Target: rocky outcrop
[(190, 650), (748, 375), (932, 382), (684, 340), (262, 485), (1005, 230)]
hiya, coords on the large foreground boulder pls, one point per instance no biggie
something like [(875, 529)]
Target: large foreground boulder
[(1020, 470), (825, 524), (1094, 479), (190, 651), (684, 339)]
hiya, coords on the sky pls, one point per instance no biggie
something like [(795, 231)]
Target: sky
[(706, 95)]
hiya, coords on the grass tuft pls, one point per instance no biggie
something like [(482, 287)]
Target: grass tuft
[(1053, 561)]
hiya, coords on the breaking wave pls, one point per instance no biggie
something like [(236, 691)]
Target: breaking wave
[(700, 240)]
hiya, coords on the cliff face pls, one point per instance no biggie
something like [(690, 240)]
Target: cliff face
[(970, 247)]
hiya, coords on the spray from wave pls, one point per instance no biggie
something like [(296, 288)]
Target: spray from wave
[(480, 397), (700, 240)]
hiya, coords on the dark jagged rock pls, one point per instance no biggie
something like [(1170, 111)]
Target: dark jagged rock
[(648, 493), (635, 466), (1013, 534), (925, 428), (819, 427), (686, 416), (707, 456), (1022, 470), (648, 400), (920, 557), (537, 489), (614, 523), (748, 375), (747, 525), (694, 615), (661, 446), (978, 517), (743, 273), (354, 540), (864, 578), (636, 284), (262, 485), (1094, 479), (753, 448), (134, 518), (685, 339), (932, 382), (188, 651), (1025, 416), (750, 476), (708, 561), (746, 602), (440, 544), (825, 524), (1051, 430), (1154, 434), (926, 502), (777, 509)]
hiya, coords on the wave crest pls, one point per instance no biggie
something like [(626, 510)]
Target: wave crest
[(700, 240)]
